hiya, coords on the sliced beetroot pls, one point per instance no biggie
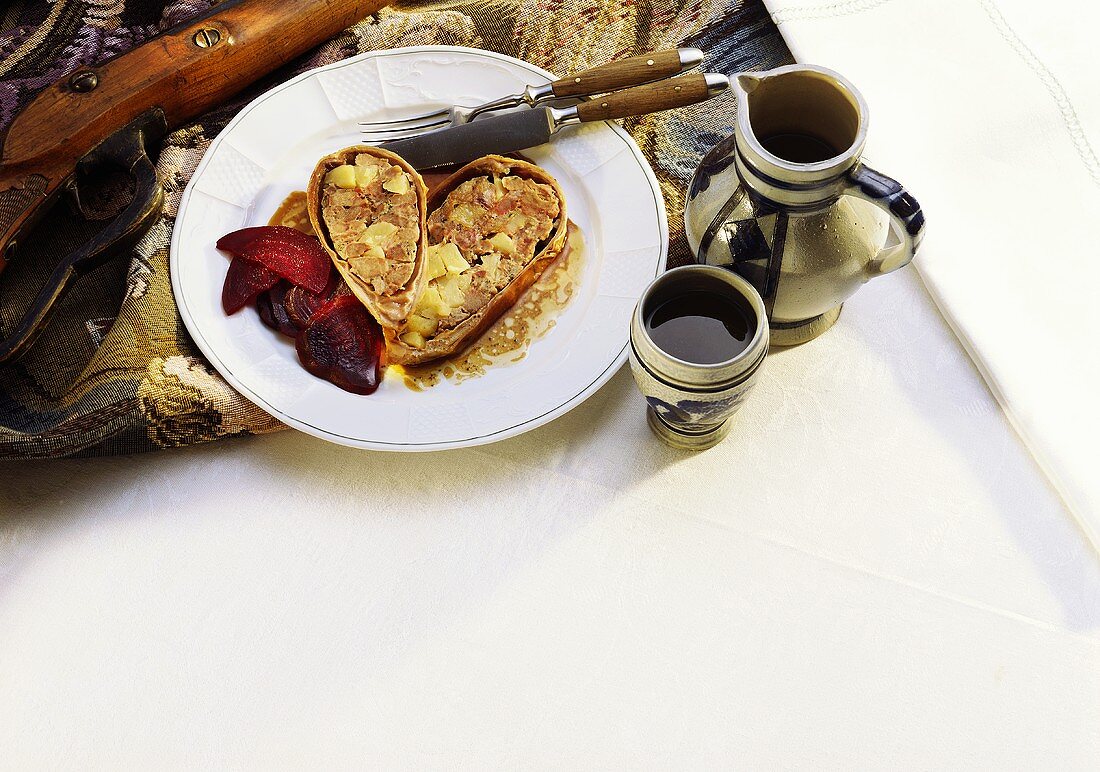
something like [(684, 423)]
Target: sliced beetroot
[(304, 263), (265, 309), (344, 345), (294, 255), (271, 306), (236, 242), (244, 281), (287, 309), (301, 304)]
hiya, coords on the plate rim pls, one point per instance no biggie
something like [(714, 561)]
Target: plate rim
[(523, 426)]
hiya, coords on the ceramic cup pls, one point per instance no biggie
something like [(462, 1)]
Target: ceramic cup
[(691, 404)]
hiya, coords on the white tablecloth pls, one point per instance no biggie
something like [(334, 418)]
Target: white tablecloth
[(869, 572), (990, 111)]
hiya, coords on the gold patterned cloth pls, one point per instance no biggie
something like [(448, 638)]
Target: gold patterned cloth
[(115, 372)]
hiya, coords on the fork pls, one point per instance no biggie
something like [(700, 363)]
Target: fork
[(634, 71)]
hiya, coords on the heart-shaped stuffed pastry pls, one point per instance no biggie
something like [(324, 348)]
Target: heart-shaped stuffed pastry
[(492, 229), (368, 208)]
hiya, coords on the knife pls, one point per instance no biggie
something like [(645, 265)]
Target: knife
[(530, 128), (109, 117)]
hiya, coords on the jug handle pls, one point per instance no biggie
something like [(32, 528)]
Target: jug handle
[(907, 219)]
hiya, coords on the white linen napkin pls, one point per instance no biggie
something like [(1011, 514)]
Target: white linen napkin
[(989, 112)]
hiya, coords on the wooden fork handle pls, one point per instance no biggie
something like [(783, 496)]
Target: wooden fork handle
[(624, 73)]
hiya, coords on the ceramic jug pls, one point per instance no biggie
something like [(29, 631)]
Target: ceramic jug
[(787, 202)]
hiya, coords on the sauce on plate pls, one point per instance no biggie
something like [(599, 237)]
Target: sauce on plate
[(510, 337)]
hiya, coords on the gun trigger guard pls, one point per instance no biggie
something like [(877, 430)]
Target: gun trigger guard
[(125, 149), (72, 193)]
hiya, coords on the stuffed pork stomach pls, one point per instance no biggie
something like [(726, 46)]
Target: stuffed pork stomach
[(488, 240), (370, 205)]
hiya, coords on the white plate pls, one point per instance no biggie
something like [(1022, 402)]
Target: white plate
[(269, 149)]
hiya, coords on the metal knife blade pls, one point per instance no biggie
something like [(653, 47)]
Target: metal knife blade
[(459, 144), (528, 128)]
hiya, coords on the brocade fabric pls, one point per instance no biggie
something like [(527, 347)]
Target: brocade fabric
[(115, 371)]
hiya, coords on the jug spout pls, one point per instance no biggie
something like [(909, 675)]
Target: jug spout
[(799, 129), (747, 82)]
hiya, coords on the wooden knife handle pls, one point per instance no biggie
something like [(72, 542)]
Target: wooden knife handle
[(653, 97), (628, 72)]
